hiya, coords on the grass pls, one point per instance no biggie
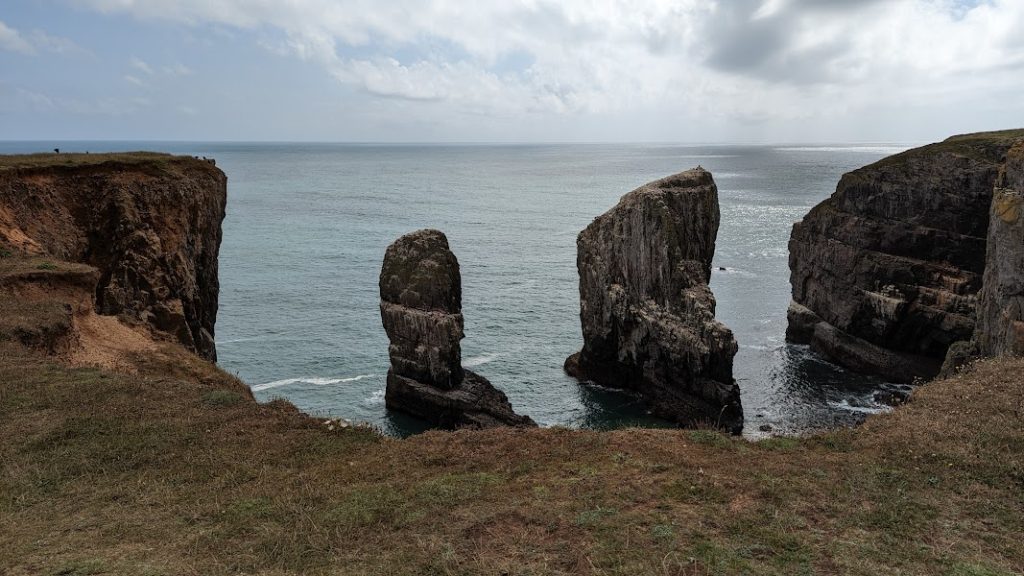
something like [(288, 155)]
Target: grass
[(49, 159), (176, 470)]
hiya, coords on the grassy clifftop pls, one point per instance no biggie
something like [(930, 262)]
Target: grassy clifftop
[(168, 466)]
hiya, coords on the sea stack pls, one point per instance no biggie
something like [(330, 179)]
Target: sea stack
[(1000, 327), (421, 308), (647, 312), (886, 273)]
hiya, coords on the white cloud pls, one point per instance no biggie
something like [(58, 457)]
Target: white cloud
[(34, 41), (140, 65), (746, 61), (177, 70), (12, 40), (134, 80)]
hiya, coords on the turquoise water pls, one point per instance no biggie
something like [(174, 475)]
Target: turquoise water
[(307, 226)]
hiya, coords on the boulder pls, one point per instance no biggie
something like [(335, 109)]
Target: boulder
[(647, 313), (421, 309)]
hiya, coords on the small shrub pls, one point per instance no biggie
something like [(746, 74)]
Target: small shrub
[(780, 443), (710, 438), (663, 532), (221, 398), (595, 516), (46, 266), (695, 491)]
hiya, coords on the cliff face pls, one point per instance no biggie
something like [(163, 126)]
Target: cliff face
[(150, 223), (886, 272), (421, 309), (1000, 328), (647, 313)]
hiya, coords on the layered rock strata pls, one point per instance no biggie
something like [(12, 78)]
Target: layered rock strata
[(886, 272), (1000, 326), (150, 223), (647, 312), (421, 308)]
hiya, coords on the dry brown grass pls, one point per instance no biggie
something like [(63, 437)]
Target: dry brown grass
[(176, 470)]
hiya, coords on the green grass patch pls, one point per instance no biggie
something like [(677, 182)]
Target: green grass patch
[(710, 438), (221, 398)]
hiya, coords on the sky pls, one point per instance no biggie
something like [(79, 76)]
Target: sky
[(698, 71)]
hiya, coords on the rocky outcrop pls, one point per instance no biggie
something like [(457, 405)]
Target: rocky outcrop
[(647, 313), (886, 272), (150, 223), (421, 308), (1000, 326)]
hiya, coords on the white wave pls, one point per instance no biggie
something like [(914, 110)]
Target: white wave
[(762, 348), (375, 399), (479, 360), (311, 380), (844, 405)]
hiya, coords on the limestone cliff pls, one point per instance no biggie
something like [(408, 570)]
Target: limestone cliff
[(886, 271), (647, 313), (421, 309), (1000, 327), (149, 223)]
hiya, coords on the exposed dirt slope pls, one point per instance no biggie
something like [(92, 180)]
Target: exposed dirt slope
[(150, 223)]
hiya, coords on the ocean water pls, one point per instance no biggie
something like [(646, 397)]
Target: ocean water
[(308, 224)]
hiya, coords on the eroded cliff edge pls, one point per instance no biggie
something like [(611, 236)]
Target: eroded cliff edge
[(886, 272), (647, 312), (149, 223)]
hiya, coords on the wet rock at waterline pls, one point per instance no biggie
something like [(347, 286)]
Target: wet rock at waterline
[(647, 313), (421, 308)]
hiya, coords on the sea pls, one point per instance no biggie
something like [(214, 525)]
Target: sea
[(307, 225)]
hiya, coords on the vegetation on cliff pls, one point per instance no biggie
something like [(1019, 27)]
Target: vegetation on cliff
[(124, 453), (168, 466)]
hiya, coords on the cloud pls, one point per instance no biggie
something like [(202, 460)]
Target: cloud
[(12, 40), (140, 65), (746, 60), (31, 100), (177, 70), (34, 42)]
